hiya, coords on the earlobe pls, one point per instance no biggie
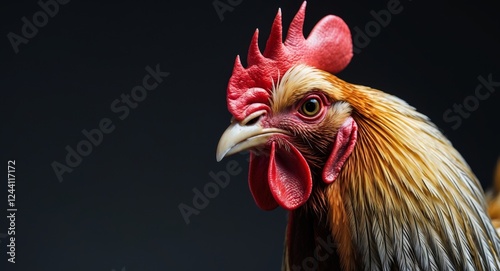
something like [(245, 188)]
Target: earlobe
[(344, 143)]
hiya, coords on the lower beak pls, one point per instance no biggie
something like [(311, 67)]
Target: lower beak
[(239, 137)]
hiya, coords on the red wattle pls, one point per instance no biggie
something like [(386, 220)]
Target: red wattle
[(257, 181), (283, 178), (289, 176)]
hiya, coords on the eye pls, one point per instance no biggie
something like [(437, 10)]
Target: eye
[(310, 107)]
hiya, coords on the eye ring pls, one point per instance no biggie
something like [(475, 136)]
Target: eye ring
[(310, 107)]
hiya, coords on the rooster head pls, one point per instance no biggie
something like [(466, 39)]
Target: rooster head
[(290, 112)]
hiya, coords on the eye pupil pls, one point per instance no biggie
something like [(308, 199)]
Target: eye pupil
[(310, 107)]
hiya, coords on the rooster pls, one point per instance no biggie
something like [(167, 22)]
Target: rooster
[(358, 169)]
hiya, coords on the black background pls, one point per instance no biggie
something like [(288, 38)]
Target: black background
[(118, 209)]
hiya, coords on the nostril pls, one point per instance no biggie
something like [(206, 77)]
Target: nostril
[(253, 121), (253, 118)]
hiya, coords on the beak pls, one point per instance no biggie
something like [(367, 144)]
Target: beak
[(244, 135)]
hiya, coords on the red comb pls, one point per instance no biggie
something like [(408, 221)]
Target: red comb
[(328, 47)]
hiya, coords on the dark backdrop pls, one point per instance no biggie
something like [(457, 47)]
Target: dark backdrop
[(119, 207)]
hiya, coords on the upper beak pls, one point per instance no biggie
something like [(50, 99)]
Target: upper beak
[(240, 136)]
